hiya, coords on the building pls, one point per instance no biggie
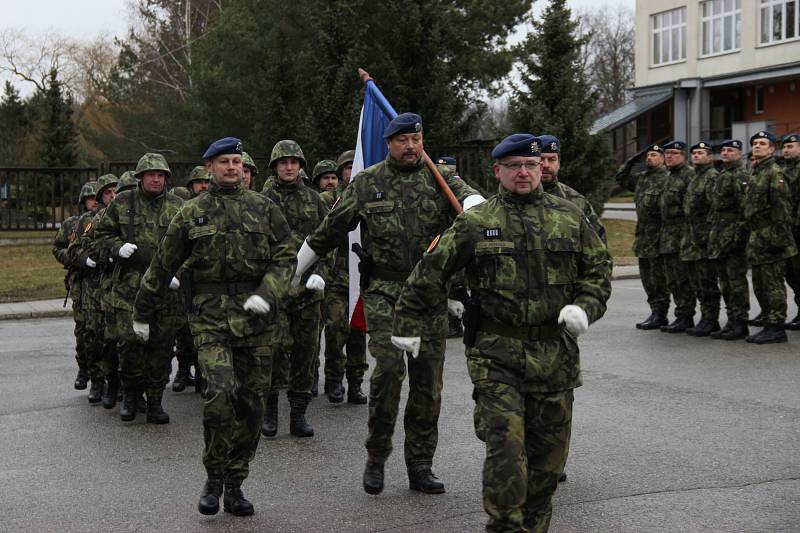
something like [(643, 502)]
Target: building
[(712, 70)]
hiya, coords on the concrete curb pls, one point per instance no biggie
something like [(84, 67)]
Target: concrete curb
[(36, 314)]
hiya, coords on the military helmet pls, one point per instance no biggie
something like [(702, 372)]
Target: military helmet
[(89, 190), (198, 173), (181, 192), (287, 148), (104, 182), (345, 157), (127, 181), (323, 167), (151, 161), (249, 163)]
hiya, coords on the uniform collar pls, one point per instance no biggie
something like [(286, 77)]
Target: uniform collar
[(513, 198), (763, 162), (213, 188), (402, 167)]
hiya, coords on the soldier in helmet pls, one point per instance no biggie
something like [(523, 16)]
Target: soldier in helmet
[(249, 170), (324, 176), (302, 313), (344, 166), (67, 234), (130, 231), (790, 148)]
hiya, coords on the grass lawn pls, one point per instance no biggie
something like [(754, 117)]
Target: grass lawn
[(30, 272), (27, 234), (620, 240)]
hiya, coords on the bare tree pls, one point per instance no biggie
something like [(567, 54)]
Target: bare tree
[(32, 58)]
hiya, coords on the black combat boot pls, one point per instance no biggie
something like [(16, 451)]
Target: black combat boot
[(679, 325), (425, 481), (110, 392), (155, 412), (141, 401), (127, 411), (270, 425), (373, 478), (794, 325), (738, 330), (235, 502), (354, 394), (771, 334), (758, 320), (180, 382), (298, 425), (718, 334), (334, 390), (96, 390), (704, 328), (81, 380), (654, 321), (209, 498), (315, 385), (563, 477), (199, 382)]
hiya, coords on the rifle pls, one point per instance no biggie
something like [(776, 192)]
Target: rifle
[(471, 319), (365, 266)]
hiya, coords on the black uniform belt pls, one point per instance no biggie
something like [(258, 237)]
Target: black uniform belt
[(230, 288), (525, 333), (389, 275)]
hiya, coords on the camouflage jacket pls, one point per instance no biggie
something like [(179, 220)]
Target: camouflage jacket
[(65, 236), (526, 257), (338, 279), (673, 218), (89, 277), (647, 187), (137, 218), (728, 234), (184, 193), (236, 243), (791, 170), (768, 214), (562, 190), (696, 207)]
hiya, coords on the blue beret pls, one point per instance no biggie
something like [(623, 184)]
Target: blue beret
[(403, 123), (522, 144), (702, 145), (675, 145), (550, 144), (446, 160), (791, 138), (226, 145), (732, 143), (764, 135), (655, 148)]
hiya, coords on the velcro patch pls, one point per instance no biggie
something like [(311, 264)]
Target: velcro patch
[(379, 195), (201, 220), (491, 233), (434, 243)]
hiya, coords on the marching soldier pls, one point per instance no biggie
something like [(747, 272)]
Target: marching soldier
[(790, 146)]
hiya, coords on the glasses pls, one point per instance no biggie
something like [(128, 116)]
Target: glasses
[(515, 167)]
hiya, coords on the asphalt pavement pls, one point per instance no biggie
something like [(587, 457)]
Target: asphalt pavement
[(671, 433)]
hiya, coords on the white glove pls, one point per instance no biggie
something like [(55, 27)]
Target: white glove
[(90, 262), (407, 344), (305, 258), (315, 283), (142, 330), (455, 308), (574, 319), (174, 284), (127, 249), (472, 200), (256, 304)]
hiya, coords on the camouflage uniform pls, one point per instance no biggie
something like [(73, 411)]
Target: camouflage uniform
[(791, 171), (400, 209), (236, 243), (181, 192), (562, 190), (673, 228), (694, 243), (526, 257)]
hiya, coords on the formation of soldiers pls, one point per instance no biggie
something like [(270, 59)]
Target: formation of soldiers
[(239, 284), (699, 228)]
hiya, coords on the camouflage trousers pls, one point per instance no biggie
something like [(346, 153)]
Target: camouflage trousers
[(654, 281), (793, 275), (236, 378), (110, 361), (704, 284), (679, 283), (185, 352), (293, 360), (79, 316), (94, 343), (352, 361), (770, 291), (146, 365), (527, 441), (733, 284)]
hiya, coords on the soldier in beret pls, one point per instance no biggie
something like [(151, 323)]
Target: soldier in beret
[(790, 146)]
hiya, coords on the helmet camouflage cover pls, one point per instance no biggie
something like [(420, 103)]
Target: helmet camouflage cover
[(287, 148), (151, 161), (89, 190), (248, 162), (198, 173), (345, 158), (127, 181), (323, 167), (104, 182)]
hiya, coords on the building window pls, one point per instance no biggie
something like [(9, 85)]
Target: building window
[(721, 24), (758, 100), (669, 36), (779, 20)]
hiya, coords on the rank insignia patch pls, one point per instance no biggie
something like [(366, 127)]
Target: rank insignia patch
[(491, 233)]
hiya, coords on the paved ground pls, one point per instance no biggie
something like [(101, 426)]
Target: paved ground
[(671, 434), (619, 211)]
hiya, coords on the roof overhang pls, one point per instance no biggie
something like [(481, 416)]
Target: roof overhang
[(641, 103)]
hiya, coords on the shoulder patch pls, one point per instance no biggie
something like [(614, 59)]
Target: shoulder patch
[(491, 233), (434, 243)]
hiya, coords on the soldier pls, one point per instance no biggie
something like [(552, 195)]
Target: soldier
[(400, 210), (249, 170), (339, 334), (131, 229), (694, 243), (344, 166), (304, 210), (448, 162), (238, 247), (727, 239), (770, 242), (66, 234), (533, 294), (673, 227), (790, 146), (551, 165), (647, 187)]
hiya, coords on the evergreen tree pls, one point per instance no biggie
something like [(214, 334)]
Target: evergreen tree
[(59, 138), (555, 98), (16, 121)]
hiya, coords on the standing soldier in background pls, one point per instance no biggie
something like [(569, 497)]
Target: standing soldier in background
[(647, 187), (131, 229), (673, 228), (304, 210), (790, 146), (237, 245), (694, 244), (65, 236), (249, 170), (770, 242), (344, 167), (727, 240)]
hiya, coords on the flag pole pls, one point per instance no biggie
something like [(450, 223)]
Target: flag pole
[(445, 188)]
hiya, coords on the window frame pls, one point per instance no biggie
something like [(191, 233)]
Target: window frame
[(769, 6), (706, 41), (658, 35)]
